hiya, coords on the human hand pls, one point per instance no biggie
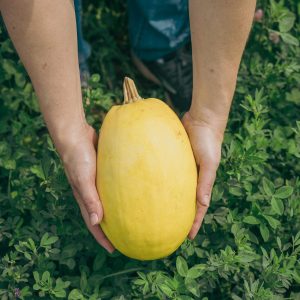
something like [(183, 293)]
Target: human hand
[(206, 143), (79, 159)]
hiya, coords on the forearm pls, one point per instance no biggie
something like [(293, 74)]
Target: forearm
[(44, 35), (219, 31)]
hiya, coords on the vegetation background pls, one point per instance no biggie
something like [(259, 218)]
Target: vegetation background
[(249, 244)]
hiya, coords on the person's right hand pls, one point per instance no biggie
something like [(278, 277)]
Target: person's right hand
[(79, 159), (206, 141)]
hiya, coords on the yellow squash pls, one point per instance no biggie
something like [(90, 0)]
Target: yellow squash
[(146, 177)]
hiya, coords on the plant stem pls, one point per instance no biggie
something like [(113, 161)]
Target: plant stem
[(123, 272)]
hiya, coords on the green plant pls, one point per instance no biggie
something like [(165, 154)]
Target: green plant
[(249, 244)]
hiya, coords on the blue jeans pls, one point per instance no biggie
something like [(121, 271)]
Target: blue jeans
[(84, 48), (156, 28)]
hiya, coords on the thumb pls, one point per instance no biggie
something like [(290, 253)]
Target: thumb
[(207, 176), (89, 198)]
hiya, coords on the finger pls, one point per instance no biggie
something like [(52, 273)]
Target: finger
[(95, 230), (90, 199), (200, 214), (101, 238), (207, 176)]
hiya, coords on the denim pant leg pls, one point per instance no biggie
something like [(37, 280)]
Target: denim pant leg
[(84, 48), (157, 28)]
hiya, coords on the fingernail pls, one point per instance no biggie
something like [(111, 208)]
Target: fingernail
[(206, 200), (94, 219), (111, 251), (191, 236)]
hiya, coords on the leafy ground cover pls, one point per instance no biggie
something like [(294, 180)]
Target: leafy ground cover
[(249, 244)]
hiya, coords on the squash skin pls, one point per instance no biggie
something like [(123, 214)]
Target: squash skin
[(146, 179)]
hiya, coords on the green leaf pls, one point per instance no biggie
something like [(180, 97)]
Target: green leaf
[(279, 243), (246, 257), (296, 239), (253, 237), (45, 276), (142, 275), (251, 220), (38, 171), (20, 80), (70, 262), (289, 39), (268, 186), (99, 261), (83, 281), (32, 244), (9, 67), (193, 286), (284, 192), (27, 255), (9, 164), (181, 266), (95, 78), (196, 271), (294, 96), (166, 290), (139, 281), (59, 293), (36, 276), (61, 284), (51, 240), (286, 22), (25, 291), (264, 231), (272, 221), (75, 295), (217, 193), (44, 238), (277, 205), (46, 165), (47, 241), (236, 191)]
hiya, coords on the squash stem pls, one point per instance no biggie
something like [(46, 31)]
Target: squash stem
[(130, 92)]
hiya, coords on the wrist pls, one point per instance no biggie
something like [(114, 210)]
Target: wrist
[(212, 99), (207, 118), (66, 135)]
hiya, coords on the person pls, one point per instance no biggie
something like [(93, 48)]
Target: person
[(44, 35), (84, 48), (159, 34), (160, 46)]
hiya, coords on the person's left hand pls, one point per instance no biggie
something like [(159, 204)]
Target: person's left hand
[(206, 143)]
